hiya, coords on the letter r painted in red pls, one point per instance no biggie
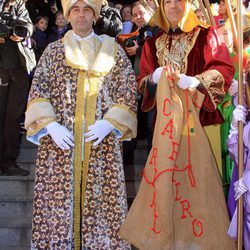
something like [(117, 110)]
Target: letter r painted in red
[(185, 208)]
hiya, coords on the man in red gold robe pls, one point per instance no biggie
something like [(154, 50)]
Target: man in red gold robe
[(184, 72), (193, 49)]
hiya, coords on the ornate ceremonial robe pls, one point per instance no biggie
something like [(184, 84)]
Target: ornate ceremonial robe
[(180, 204), (79, 196), (197, 53)]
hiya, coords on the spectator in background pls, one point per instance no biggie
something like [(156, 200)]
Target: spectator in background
[(61, 28), (223, 16), (109, 21), (39, 37), (239, 187), (37, 8), (198, 12), (118, 6), (43, 8), (133, 47), (140, 17), (127, 25), (16, 61)]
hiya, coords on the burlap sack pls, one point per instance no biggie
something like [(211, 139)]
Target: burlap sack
[(180, 203)]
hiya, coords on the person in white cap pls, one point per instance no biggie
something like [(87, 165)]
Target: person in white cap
[(82, 103)]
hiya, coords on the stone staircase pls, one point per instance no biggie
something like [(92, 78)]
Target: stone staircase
[(133, 170), (16, 194)]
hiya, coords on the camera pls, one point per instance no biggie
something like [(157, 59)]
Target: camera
[(140, 39), (10, 24), (129, 42)]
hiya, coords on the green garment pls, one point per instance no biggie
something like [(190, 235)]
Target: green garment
[(226, 107)]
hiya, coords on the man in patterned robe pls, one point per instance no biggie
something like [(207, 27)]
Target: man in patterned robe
[(84, 86)]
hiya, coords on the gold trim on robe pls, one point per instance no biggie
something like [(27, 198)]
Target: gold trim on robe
[(212, 80), (123, 115), (78, 137), (39, 113), (91, 67)]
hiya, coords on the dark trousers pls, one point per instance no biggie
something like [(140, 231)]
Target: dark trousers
[(14, 87)]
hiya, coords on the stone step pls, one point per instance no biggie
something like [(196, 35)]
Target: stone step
[(27, 155), (16, 248), (31, 166), (132, 186), (15, 232), (15, 206), (16, 185)]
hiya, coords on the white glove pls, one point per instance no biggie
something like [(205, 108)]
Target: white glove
[(60, 135), (233, 88), (98, 131), (239, 188), (186, 82), (242, 185), (239, 114), (156, 75)]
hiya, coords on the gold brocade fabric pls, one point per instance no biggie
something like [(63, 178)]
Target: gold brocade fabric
[(174, 49)]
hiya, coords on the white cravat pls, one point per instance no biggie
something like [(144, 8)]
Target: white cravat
[(89, 46)]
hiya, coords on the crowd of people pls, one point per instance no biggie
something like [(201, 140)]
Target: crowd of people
[(93, 77)]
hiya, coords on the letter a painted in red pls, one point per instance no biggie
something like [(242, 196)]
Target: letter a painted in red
[(169, 129)]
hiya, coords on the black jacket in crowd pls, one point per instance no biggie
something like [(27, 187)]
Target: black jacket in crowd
[(10, 49), (110, 22)]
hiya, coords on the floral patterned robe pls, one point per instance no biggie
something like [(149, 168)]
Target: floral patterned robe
[(80, 204)]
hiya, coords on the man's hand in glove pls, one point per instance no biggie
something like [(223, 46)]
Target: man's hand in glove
[(242, 185), (239, 114), (60, 135), (156, 75), (98, 131), (186, 82)]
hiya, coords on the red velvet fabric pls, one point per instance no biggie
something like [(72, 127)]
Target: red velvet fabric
[(208, 53)]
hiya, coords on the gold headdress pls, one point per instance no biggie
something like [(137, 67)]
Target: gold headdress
[(188, 22)]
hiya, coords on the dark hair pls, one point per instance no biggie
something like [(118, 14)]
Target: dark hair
[(126, 6), (38, 18), (136, 4), (246, 35), (59, 12)]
